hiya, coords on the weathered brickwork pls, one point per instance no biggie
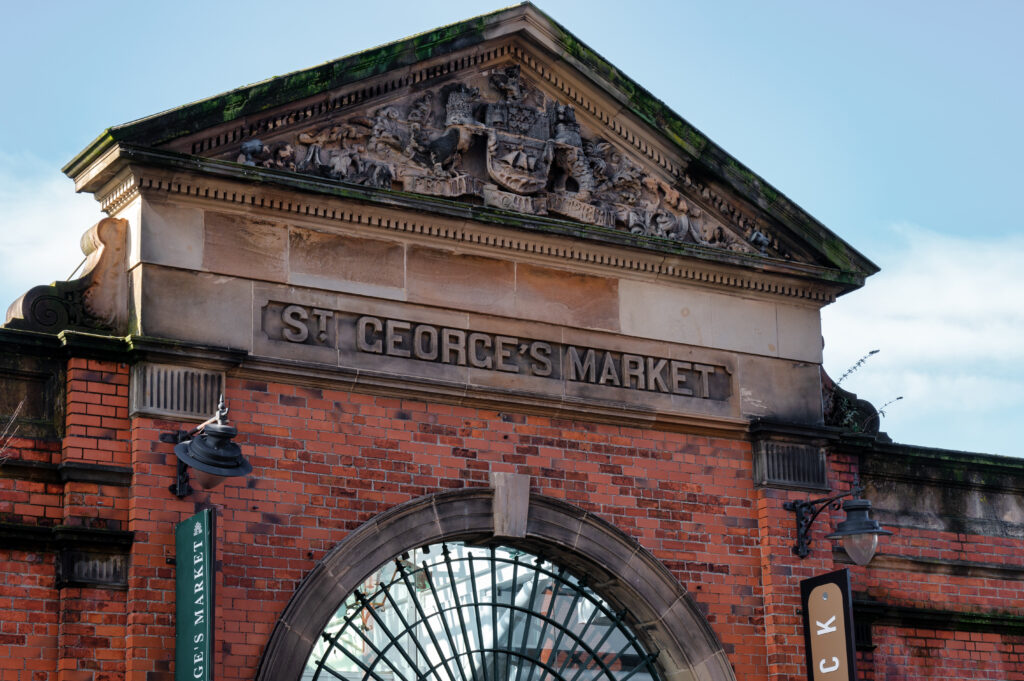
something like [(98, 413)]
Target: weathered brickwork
[(97, 413), (326, 461), (28, 627), (50, 629), (923, 654)]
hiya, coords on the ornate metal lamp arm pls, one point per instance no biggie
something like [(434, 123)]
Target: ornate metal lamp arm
[(808, 511)]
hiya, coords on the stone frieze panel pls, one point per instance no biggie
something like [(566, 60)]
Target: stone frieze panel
[(480, 353), (497, 140)]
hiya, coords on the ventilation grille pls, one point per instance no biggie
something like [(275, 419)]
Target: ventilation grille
[(787, 464), (180, 392), (82, 568)]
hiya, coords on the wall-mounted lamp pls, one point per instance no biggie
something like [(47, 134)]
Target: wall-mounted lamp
[(209, 451), (858, 531)]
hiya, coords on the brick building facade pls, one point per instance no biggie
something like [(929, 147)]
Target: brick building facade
[(427, 278)]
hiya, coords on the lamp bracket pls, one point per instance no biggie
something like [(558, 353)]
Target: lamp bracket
[(808, 511), (180, 487)]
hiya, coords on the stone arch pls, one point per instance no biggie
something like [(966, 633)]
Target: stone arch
[(661, 612)]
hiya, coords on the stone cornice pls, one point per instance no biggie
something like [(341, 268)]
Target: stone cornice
[(315, 375), (69, 471), (64, 344), (952, 568), (242, 186), (23, 536), (942, 467), (239, 363), (911, 617)]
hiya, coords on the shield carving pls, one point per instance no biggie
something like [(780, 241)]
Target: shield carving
[(517, 163)]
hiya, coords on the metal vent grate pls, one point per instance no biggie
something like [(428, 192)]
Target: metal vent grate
[(82, 568), (789, 464), (181, 392)]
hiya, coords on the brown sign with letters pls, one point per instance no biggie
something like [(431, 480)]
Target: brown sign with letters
[(828, 627)]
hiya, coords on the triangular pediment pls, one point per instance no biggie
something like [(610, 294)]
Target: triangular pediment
[(511, 113)]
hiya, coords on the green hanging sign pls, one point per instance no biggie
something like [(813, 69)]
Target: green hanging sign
[(193, 641)]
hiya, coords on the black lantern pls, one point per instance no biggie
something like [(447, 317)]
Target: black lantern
[(209, 451), (859, 531)]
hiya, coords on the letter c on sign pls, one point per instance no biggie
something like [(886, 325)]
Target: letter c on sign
[(832, 668)]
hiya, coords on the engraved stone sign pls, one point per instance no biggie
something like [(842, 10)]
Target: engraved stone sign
[(489, 357)]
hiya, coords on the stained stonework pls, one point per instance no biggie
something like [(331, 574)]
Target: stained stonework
[(96, 301), (496, 138)]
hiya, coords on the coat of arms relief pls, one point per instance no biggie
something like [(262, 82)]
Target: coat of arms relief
[(498, 140)]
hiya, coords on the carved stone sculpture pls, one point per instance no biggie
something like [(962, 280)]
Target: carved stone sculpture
[(96, 301), (505, 143)]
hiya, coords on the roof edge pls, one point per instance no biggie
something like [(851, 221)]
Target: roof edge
[(268, 94)]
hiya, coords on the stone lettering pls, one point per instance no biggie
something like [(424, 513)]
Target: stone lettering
[(321, 323), (294, 318), (609, 374), (477, 343), (679, 378), (483, 350), (540, 353), (633, 371), (504, 346), (394, 339), (453, 342), (364, 327), (581, 370), (424, 343), (655, 379), (704, 371)]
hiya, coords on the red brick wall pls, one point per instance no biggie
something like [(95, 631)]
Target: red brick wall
[(924, 655), (28, 616), (28, 598), (326, 461)]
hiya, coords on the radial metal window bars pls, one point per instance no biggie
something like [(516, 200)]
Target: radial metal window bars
[(451, 612)]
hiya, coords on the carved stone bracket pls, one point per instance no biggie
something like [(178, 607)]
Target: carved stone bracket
[(96, 301)]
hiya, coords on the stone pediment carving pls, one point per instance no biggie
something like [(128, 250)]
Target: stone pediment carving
[(446, 114), (496, 139)]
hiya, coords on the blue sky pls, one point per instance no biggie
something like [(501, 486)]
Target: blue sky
[(895, 124)]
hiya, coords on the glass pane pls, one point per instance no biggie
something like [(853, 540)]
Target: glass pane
[(450, 612)]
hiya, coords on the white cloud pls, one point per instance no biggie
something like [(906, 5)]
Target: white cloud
[(948, 315), (41, 223)]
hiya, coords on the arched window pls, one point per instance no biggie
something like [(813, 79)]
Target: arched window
[(417, 593), (453, 612)]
